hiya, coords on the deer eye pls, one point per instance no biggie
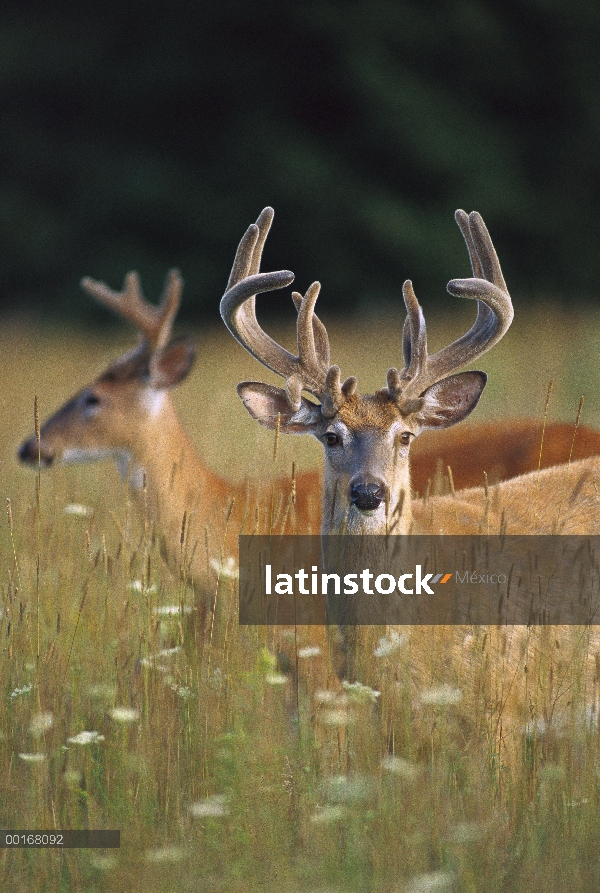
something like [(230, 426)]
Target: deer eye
[(91, 403), (331, 439), (405, 437)]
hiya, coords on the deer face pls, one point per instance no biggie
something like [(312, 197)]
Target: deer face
[(367, 444), (97, 423), (108, 418)]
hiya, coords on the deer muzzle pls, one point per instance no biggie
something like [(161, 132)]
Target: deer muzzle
[(31, 453), (367, 495)]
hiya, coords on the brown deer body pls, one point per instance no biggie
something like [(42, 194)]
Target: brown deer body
[(500, 449)]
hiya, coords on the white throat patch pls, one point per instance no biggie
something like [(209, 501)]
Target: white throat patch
[(88, 454), (152, 401), (135, 474)]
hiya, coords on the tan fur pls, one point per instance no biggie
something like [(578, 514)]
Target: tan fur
[(560, 500), (375, 412)]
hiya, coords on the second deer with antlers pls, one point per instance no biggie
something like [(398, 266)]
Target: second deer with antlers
[(126, 414)]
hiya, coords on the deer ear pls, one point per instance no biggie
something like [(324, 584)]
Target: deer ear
[(172, 365), (451, 400), (265, 402)]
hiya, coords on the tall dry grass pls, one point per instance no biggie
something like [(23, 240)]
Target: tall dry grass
[(464, 764)]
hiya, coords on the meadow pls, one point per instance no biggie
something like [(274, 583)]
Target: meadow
[(467, 761)]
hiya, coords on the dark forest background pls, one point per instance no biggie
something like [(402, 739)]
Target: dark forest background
[(146, 135)]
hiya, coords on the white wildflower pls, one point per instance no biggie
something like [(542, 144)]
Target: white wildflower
[(340, 717), (138, 586), (590, 721), (328, 814), (73, 778), (168, 652), (536, 727), (184, 691), (390, 643), (160, 655), (217, 679), (309, 651), (399, 766), (326, 696), (228, 569), (104, 861), (171, 610), (83, 511), (22, 690), (41, 723), (359, 693), (102, 692), (434, 882), (276, 679), (33, 757), (86, 738), (348, 788), (124, 714), (213, 807), (440, 696)]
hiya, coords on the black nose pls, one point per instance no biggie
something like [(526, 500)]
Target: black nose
[(30, 452), (367, 495)]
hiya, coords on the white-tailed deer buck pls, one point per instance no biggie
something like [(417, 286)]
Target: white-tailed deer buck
[(367, 438), (367, 486)]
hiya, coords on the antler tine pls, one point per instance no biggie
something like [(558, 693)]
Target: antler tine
[(238, 303), (243, 261), (247, 263), (463, 222), (264, 221), (153, 322), (168, 308), (494, 308), (319, 332), (417, 352), (486, 251), (414, 344)]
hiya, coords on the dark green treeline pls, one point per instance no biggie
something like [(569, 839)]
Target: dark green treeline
[(148, 135)]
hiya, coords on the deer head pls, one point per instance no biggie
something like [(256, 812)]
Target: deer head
[(366, 438), (106, 417)]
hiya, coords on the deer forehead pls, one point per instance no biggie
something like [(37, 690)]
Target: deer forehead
[(370, 412)]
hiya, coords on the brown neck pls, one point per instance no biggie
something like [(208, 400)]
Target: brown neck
[(170, 480)]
